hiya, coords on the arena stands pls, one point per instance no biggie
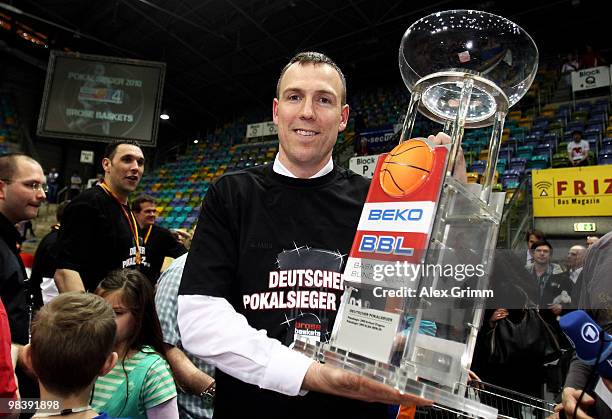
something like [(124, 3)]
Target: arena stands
[(9, 128), (532, 139)]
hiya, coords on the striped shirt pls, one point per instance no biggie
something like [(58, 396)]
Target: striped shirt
[(150, 384), (190, 406)]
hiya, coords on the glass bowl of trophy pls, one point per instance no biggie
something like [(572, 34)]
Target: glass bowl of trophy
[(423, 249)]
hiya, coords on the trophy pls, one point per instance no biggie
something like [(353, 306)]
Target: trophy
[(417, 276)]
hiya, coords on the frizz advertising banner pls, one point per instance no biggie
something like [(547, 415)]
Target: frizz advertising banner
[(573, 192), (96, 98)]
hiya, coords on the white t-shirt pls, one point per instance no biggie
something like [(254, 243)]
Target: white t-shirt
[(577, 151)]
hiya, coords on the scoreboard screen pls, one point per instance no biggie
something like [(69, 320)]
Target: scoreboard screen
[(97, 98)]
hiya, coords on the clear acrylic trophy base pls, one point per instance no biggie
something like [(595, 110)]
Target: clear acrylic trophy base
[(433, 367), (402, 379)]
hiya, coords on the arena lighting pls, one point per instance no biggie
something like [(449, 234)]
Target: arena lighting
[(164, 116), (196, 141)]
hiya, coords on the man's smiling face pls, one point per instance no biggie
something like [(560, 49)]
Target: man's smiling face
[(309, 114)]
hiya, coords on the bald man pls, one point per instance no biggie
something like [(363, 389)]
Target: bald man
[(22, 191), (575, 261)]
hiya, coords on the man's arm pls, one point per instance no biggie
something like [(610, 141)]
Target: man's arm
[(188, 376), (183, 237), (326, 379), (68, 280), (575, 382), (212, 330)]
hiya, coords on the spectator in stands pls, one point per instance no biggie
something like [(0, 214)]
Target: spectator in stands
[(531, 237), (194, 377), (100, 233), (72, 344), (578, 150), (248, 218), (160, 241), (542, 269), (590, 58), (22, 191), (140, 385), (75, 185), (42, 285), (595, 297), (571, 64), (363, 146), (52, 184), (591, 240)]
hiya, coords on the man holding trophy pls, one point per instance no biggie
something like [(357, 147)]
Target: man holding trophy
[(264, 271), (267, 254)]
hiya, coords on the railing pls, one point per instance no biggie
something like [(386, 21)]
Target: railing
[(517, 217), (64, 191)]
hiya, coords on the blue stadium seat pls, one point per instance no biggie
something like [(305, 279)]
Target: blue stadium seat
[(478, 166), (511, 179), (531, 140), (543, 150), (605, 158), (606, 147), (518, 164)]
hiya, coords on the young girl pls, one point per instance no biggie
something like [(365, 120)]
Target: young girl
[(141, 383)]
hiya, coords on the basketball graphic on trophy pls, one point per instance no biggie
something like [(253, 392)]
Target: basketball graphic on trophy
[(406, 168)]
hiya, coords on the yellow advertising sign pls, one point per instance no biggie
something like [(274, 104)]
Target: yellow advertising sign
[(572, 192)]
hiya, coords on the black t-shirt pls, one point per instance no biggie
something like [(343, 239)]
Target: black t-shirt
[(95, 237), (160, 243), (258, 229), (44, 264), (12, 282)]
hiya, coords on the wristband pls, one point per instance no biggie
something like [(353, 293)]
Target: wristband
[(208, 394)]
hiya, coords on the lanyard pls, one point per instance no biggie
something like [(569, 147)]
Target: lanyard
[(64, 412), (148, 234), (130, 219)]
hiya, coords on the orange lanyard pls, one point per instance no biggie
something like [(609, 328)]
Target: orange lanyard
[(130, 219), (148, 234)]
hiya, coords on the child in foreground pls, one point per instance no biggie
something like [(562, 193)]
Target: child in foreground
[(72, 344), (141, 384)]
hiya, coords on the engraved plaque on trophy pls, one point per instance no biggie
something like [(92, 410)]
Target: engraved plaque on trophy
[(417, 274)]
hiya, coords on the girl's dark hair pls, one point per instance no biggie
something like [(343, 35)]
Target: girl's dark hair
[(137, 296)]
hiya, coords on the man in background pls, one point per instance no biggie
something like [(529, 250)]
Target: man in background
[(22, 192), (45, 262), (195, 378), (591, 240), (159, 241), (575, 262), (100, 233), (578, 150)]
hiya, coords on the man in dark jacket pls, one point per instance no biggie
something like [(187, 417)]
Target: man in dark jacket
[(22, 191)]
